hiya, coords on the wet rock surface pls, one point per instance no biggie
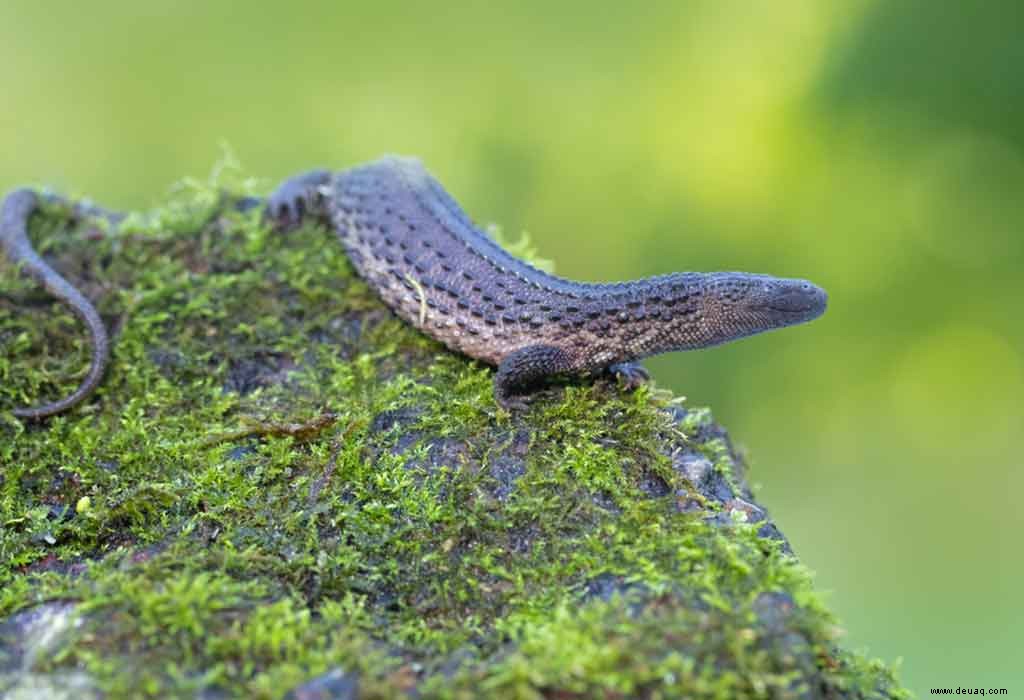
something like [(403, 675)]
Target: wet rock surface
[(283, 491), (718, 497), (27, 641)]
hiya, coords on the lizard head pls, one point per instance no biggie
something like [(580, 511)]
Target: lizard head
[(773, 302), (710, 308), (732, 305)]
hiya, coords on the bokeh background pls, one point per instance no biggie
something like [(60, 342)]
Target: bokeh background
[(876, 148)]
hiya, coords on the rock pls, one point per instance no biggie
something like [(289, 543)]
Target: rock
[(420, 542), (27, 641)]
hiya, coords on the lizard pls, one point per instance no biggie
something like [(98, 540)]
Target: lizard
[(427, 260)]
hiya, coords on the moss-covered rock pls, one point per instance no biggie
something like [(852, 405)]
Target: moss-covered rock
[(281, 487)]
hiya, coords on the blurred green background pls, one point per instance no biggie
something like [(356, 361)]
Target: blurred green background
[(876, 148)]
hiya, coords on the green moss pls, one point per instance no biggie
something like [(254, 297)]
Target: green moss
[(207, 546)]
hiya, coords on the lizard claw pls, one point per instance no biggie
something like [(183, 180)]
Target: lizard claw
[(513, 403)]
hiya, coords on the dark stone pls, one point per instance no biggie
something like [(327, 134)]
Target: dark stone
[(336, 684), (27, 641), (509, 465), (241, 452), (653, 486), (506, 470), (694, 466), (387, 420), (606, 586), (247, 374)]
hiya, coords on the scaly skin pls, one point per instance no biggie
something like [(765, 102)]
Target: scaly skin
[(15, 211), (416, 247)]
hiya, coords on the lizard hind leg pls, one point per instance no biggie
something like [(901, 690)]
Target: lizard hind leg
[(15, 211), (524, 369)]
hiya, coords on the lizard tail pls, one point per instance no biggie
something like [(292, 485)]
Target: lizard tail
[(15, 211)]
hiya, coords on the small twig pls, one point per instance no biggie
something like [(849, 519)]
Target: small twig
[(317, 486), (299, 431)]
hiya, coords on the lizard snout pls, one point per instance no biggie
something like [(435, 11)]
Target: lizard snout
[(798, 297)]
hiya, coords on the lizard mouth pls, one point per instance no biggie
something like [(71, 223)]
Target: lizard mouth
[(797, 308)]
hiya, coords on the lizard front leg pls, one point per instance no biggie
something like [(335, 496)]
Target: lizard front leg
[(631, 375), (298, 197)]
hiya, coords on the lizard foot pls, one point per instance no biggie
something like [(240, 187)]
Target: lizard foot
[(630, 375), (296, 198), (513, 403)]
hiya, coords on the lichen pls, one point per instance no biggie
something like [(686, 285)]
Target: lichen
[(418, 535)]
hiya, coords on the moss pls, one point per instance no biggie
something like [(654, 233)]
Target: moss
[(403, 527)]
